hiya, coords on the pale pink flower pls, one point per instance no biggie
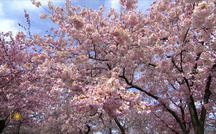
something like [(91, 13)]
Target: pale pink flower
[(36, 3), (77, 22), (132, 19), (43, 16), (129, 4)]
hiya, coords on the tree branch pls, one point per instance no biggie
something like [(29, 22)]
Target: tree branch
[(88, 129), (206, 99), (173, 113), (192, 107), (179, 69), (119, 126), (166, 124)]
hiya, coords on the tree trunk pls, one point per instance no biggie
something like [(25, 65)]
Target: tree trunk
[(199, 130), (18, 128), (2, 125)]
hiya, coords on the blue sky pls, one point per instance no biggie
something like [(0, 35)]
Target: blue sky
[(12, 12)]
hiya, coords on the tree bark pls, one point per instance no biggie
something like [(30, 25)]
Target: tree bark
[(121, 128), (2, 125), (199, 127)]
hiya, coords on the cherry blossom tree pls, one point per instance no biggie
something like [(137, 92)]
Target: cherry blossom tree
[(21, 91), (66, 119), (167, 54), (13, 70)]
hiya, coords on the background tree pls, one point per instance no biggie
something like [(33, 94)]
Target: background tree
[(20, 83), (13, 71)]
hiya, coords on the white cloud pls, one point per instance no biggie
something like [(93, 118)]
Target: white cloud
[(8, 25), (114, 4)]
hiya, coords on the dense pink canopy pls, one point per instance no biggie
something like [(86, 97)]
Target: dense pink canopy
[(103, 67)]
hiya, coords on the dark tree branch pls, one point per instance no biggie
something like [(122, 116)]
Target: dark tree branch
[(153, 65), (194, 70), (179, 69), (101, 117), (173, 113), (109, 66), (173, 130), (185, 36), (172, 85), (93, 58), (121, 128), (191, 103), (181, 61), (183, 115), (88, 129), (206, 99), (192, 107)]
